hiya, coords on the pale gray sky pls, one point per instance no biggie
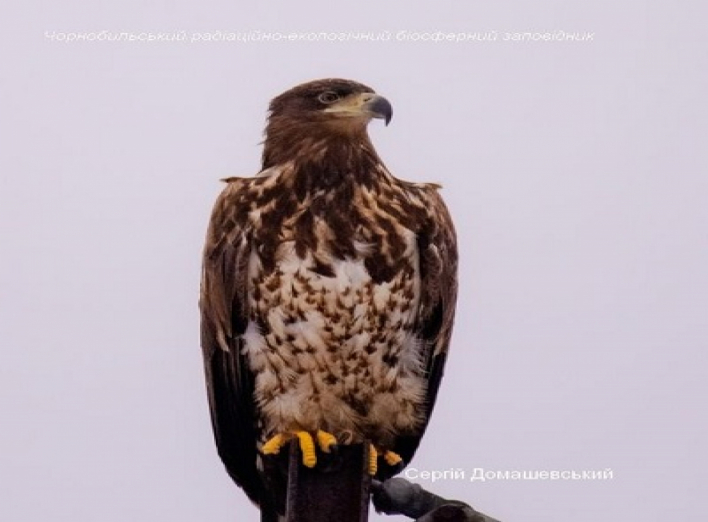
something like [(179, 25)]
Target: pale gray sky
[(575, 171)]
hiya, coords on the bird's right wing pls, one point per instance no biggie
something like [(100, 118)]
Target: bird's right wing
[(224, 317)]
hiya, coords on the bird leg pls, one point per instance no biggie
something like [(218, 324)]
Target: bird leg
[(307, 447), (325, 441), (391, 458), (274, 444), (373, 460)]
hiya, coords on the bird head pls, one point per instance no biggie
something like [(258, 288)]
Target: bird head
[(334, 103)]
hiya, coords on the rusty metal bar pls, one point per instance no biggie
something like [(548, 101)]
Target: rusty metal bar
[(337, 489)]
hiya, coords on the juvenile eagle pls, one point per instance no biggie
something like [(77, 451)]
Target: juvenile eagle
[(328, 293)]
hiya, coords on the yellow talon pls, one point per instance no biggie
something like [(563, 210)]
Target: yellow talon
[(373, 460), (274, 444), (307, 446), (325, 440), (392, 458)]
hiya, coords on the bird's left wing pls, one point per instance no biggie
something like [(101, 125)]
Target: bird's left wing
[(224, 317)]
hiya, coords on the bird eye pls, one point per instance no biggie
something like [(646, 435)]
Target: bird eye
[(328, 97)]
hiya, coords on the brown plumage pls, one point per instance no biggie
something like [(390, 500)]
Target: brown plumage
[(328, 289)]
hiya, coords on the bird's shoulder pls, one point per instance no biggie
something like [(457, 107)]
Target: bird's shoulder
[(264, 178), (240, 193)]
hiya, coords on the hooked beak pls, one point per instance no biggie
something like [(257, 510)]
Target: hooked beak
[(368, 105), (378, 107)]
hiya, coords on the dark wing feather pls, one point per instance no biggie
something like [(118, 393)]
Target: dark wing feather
[(437, 249), (224, 316)]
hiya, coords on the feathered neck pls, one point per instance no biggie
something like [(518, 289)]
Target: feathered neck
[(327, 147)]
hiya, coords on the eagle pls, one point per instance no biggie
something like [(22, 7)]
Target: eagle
[(327, 295)]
